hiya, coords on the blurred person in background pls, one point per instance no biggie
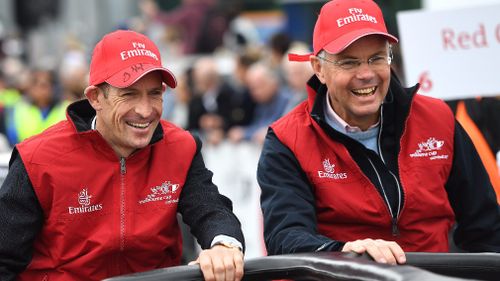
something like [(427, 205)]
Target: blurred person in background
[(215, 25), (243, 61), (40, 108), (176, 104), (191, 27), (194, 20), (242, 34), (278, 46), (209, 108), (73, 71), (243, 115), (148, 21), (480, 118), (365, 165), (214, 102), (265, 90), (8, 95), (15, 75), (296, 76)]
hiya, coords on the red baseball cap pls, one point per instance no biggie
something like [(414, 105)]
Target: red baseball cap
[(122, 57), (341, 22)]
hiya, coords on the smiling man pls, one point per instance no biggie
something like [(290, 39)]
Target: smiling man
[(366, 165), (97, 195)]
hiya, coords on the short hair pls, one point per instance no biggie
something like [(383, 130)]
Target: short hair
[(280, 43), (321, 54), (104, 87)]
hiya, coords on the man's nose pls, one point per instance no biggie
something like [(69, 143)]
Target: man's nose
[(144, 107), (364, 71)]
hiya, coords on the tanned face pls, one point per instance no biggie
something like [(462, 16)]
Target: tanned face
[(356, 94)]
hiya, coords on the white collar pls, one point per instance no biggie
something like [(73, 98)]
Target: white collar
[(335, 117), (92, 125)]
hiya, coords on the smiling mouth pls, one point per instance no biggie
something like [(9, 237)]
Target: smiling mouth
[(139, 125), (364, 92)]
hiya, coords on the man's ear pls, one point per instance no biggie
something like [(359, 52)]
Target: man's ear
[(317, 67), (92, 94)]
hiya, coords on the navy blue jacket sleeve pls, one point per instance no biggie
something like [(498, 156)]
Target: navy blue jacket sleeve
[(288, 203), (21, 219), (472, 198), (207, 212)]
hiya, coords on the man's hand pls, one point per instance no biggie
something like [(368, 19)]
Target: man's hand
[(380, 250), (221, 263)]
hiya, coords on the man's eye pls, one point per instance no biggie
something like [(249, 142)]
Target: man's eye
[(347, 64), (378, 59)]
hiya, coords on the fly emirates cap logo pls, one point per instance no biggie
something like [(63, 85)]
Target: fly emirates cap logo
[(329, 171), (139, 49), (163, 192), (430, 149), (85, 204), (356, 15)]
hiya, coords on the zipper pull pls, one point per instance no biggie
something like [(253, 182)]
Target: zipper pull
[(123, 169), (395, 230)]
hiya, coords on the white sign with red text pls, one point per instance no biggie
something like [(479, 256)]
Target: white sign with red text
[(452, 53)]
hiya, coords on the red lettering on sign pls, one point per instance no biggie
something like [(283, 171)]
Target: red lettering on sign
[(497, 32), (479, 37), (465, 40), (448, 35), (425, 82)]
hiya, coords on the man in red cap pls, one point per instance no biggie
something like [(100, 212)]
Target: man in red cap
[(366, 165), (97, 195)]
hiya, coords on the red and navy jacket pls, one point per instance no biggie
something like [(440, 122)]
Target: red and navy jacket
[(321, 188), (103, 215)]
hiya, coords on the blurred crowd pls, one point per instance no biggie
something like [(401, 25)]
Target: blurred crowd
[(232, 84)]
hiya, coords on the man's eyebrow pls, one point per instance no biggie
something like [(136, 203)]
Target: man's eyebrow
[(133, 89), (350, 56)]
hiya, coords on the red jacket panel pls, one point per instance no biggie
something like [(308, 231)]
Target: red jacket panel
[(348, 205), (105, 216)]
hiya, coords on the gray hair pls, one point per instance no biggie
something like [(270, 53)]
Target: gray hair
[(104, 87), (321, 54)]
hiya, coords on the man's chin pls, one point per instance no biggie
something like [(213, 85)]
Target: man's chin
[(140, 143)]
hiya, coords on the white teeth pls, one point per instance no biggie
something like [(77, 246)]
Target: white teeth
[(139, 125), (365, 91)]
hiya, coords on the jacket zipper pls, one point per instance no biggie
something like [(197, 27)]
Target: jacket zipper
[(123, 171), (395, 218), (121, 238)]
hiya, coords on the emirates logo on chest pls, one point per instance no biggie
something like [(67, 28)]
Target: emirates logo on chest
[(329, 171), (83, 198), (329, 168)]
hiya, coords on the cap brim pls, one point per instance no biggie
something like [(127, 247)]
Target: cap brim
[(345, 40), (298, 57), (130, 75)]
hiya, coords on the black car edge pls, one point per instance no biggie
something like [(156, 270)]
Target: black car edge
[(347, 266)]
